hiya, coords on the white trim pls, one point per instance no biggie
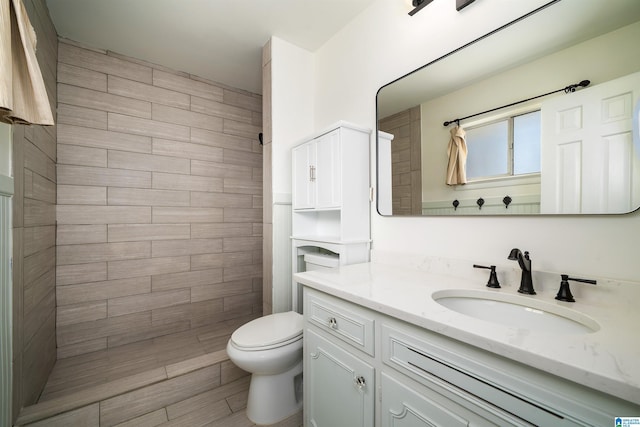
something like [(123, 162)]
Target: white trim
[(6, 185)]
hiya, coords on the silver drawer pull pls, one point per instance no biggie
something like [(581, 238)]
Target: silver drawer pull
[(333, 323), (360, 382)]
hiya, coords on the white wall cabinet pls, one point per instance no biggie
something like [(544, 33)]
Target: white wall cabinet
[(355, 357), (330, 194)]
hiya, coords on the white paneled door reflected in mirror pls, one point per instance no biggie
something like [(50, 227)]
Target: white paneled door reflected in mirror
[(527, 121)]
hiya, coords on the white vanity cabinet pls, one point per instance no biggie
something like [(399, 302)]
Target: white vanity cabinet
[(339, 376), (366, 368)]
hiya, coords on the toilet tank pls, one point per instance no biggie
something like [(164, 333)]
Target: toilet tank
[(317, 261)]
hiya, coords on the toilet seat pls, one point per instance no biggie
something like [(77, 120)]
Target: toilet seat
[(272, 331)]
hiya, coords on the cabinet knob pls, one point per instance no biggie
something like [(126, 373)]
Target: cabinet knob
[(360, 382), (333, 323)]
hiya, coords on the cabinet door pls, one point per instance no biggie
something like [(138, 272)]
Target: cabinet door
[(338, 387), (327, 173), (303, 194), (405, 407)]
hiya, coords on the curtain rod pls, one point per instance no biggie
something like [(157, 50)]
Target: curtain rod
[(567, 89)]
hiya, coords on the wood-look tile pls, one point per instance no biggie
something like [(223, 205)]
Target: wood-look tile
[(147, 92), (96, 252), (221, 200), (242, 186), (230, 372), (145, 302), (95, 394), (193, 364), (37, 239), (85, 175), (219, 170), (187, 279), (72, 334), (246, 101), (238, 401), (83, 312), (238, 128), (221, 290), (38, 354), (87, 416), (153, 397), (187, 150), (160, 248), (81, 116), (147, 162), (103, 101), (81, 195), (242, 272), (83, 77), (221, 140), (218, 230), (39, 188), (164, 113), (97, 291), (186, 85), (79, 234), (37, 161), (81, 273), (233, 214), (147, 197), (42, 312), (241, 244), (202, 416), (219, 109), (203, 400), (147, 127), (98, 138), (173, 181), (239, 419), (84, 347), (96, 61), (44, 137), (241, 158), (37, 264), (81, 156), (149, 332), (37, 213), (152, 419), (178, 215), (172, 315), (147, 267), (86, 215), (137, 232), (37, 290)]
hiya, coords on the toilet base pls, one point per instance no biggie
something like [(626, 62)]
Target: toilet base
[(264, 406)]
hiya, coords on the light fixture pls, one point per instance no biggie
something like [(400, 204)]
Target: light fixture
[(418, 5)]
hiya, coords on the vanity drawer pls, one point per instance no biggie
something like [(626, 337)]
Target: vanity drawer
[(348, 322)]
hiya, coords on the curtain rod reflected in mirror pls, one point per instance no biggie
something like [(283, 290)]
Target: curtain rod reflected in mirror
[(518, 61), (567, 89)]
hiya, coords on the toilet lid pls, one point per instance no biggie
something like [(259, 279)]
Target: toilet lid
[(269, 330)]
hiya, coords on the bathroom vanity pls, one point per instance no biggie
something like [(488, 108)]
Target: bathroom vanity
[(381, 348)]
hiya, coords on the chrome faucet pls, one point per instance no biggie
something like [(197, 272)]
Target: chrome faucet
[(526, 282)]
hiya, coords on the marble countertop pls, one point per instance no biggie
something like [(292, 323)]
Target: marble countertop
[(607, 360)]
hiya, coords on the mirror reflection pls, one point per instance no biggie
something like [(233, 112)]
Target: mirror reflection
[(538, 117)]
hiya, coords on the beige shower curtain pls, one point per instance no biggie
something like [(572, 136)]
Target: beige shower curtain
[(23, 96), (457, 151)]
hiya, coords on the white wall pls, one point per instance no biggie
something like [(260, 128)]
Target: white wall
[(382, 44)]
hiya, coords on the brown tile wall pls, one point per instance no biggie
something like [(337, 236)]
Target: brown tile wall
[(34, 230), (406, 161), (159, 201)]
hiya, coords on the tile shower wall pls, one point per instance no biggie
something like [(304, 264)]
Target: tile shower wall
[(159, 201), (34, 218)]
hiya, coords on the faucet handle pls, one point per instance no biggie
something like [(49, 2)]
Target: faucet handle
[(564, 293), (493, 277)]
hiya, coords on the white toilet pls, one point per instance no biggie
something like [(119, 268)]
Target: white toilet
[(270, 348)]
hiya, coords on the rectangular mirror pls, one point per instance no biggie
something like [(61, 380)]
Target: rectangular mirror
[(546, 109)]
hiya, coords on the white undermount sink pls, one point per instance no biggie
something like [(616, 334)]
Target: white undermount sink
[(516, 311)]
